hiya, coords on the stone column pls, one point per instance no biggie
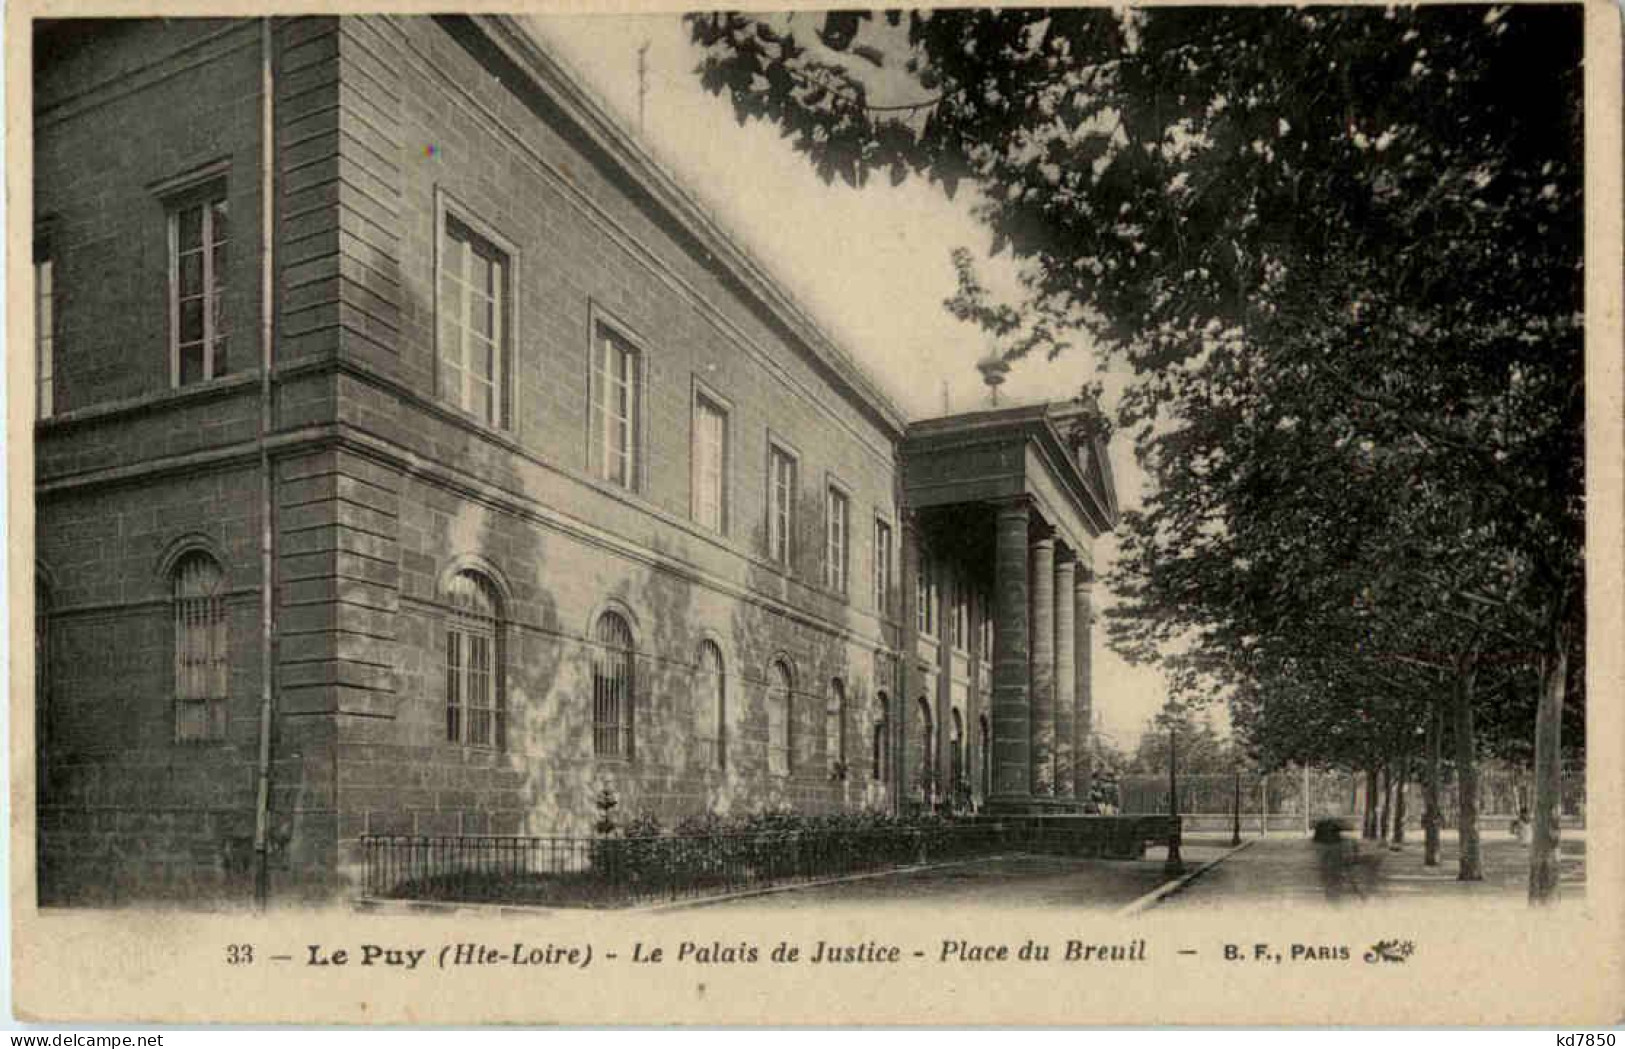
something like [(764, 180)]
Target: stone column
[(1012, 743), (1065, 675), (1083, 683), (1043, 666), (908, 674)]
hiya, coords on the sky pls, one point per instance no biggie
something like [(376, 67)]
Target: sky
[(872, 265)]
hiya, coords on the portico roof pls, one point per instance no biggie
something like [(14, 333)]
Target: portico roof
[(1023, 451)]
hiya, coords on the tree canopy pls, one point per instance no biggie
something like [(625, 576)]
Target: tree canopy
[(1340, 251)]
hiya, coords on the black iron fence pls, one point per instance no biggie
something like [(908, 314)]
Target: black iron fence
[(613, 872)]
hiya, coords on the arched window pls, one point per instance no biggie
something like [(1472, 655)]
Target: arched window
[(880, 738), (202, 662), (42, 681), (612, 688), (928, 741), (475, 710), (779, 713), (710, 706), (956, 749), (835, 724), (987, 756)]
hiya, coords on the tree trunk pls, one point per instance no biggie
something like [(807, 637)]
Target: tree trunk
[(1472, 864), (1385, 796), (1430, 784), (1368, 826), (1543, 843), (1399, 800)]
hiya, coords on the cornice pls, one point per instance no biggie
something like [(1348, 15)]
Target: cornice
[(563, 88)]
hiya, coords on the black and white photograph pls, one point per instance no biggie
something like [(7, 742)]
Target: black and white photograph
[(867, 498)]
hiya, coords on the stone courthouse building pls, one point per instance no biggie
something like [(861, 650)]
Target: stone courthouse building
[(414, 455)]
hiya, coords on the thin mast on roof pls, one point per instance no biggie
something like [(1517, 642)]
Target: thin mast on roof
[(643, 81)]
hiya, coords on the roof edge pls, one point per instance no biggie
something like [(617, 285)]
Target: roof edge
[(553, 75)]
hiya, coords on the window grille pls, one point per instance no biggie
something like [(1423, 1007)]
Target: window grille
[(612, 688), (202, 662), (780, 710), (475, 711), (835, 723), (880, 744), (710, 707)]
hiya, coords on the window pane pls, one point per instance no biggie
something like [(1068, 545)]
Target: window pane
[(219, 221), (191, 273), (189, 223), (220, 363), (192, 320), (191, 363)]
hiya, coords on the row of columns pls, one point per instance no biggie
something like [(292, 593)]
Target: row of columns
[(1041, 686)]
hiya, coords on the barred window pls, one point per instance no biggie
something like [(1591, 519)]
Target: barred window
[(612, 688), (880, 740), (780, 710), (927, 744), (987, 756), (201, 659), (710, 707), (956, 749), (475, 710), (835, 723)]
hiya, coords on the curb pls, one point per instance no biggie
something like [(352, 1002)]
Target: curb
[(1163, 891), (369, 905), (773, 890)]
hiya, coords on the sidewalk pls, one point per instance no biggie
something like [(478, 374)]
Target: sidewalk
[(1295, 871), (1011, 881)]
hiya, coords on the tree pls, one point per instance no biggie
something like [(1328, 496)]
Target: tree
[(1338, 248)]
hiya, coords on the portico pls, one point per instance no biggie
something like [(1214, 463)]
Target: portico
[(1004, 505)]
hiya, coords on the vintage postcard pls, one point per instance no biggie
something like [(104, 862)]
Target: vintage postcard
[(1004, 516)]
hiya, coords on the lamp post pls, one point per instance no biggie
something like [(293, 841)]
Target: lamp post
[(993, 368), (1174, 864)]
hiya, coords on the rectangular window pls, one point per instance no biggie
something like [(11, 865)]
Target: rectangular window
[(984, 604), (781, 504), (836, 527), (882, 567), (44, 339), (925, 588), (710, 456), (617, 382), (473, 312), (199, 331), (961, 612)]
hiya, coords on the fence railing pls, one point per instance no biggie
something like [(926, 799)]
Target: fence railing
[(1502, 792), (611, 872)]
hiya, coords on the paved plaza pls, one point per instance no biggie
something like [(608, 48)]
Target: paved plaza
[(1283, 870)]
